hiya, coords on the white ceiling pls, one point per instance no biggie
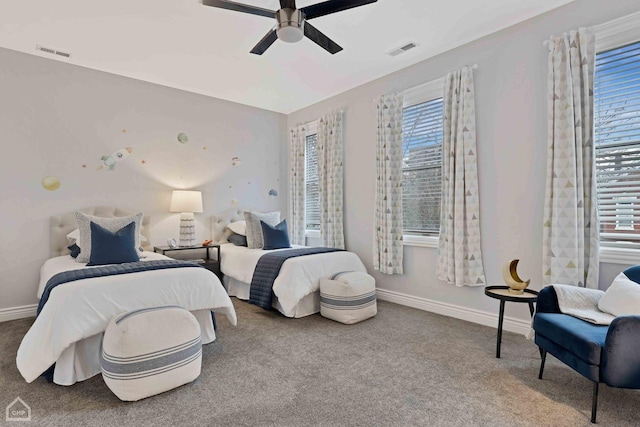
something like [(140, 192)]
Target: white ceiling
[(182, 44)]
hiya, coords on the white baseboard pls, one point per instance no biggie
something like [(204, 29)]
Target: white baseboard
[(14, 313), (510, 324)]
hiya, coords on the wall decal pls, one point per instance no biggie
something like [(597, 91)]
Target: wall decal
[(84, 166), (273, 193), (183, 138), (204, 148), (50, 183), (234, 202), (109, 162), (235, 161), (144, 162)]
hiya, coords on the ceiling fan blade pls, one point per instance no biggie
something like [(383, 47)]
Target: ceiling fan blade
[(239, 7), (287, 4), (266, 41), (320, 39), (332, 6)]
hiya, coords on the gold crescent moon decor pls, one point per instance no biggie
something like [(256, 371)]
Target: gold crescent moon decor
[(511, 278)]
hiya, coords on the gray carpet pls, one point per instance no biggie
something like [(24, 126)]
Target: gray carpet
[(403, 367)]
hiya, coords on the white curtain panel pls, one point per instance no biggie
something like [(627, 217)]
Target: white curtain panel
[(570, 229), (387, 240), (459, 247), (296, 224), (331, 180)]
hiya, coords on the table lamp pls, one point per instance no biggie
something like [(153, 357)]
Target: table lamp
[(187, 203)]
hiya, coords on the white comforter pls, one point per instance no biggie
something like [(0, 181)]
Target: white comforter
[(78, 310), (299, 276)]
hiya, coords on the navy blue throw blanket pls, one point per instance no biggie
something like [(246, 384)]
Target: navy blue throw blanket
[(106, 270), (268, 268)]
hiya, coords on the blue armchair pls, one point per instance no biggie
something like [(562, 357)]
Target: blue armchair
[(603, 354)]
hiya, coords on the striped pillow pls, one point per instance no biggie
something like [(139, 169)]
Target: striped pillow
[(254, 229)]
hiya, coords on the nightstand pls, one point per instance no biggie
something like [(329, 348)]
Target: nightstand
[(211, 264)]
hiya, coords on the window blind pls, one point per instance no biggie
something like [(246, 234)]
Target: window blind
[(617, 141), (312, 197), (421, 167)]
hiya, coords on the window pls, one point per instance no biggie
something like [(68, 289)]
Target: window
[(312, 197), (624, 213), (617, 142), (422, 129)]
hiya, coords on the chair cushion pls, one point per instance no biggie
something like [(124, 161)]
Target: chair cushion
[(581, 338), (150, 351), (348, 297)]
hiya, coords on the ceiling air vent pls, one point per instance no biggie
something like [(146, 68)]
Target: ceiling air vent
[(402, 49), (50, 51)]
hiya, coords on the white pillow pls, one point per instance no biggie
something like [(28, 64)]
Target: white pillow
[(622, 298), (238, 227), (74, 236)]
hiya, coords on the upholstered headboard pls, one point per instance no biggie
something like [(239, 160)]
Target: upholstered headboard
[(61, 225), (218, 223)]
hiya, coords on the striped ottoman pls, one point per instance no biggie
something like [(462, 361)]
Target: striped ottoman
[(150, 351), (348, 297)]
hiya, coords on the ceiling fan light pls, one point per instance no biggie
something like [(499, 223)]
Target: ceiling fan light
[(290, 34), (290, 28)]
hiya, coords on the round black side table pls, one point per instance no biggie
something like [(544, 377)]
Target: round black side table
[(502, 293)]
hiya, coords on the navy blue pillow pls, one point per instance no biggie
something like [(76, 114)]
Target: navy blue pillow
[(275, 237), (238, 239), (75, 250), (113, 248)]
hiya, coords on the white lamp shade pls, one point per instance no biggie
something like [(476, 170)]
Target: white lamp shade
[(290, 34), (186, 201)]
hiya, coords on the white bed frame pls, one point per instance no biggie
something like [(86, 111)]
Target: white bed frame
[(219, 222), (61, 225), (219, 233)]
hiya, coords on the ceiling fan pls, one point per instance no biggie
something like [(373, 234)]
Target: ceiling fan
[(292, 23)]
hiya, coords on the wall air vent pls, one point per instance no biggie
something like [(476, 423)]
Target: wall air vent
[(50, 51), (402, 49)]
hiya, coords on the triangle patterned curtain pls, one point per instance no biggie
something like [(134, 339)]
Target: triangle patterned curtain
[(331, 179), (387, 241), (296, 184), (570, 229), (459, 245)]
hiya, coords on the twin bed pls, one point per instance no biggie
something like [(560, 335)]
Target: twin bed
[(296, 289), (68, 330)]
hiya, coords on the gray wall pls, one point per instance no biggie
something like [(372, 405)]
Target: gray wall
[(58, 119), (511, 129)]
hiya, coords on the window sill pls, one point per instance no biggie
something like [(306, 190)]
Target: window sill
[(420, 241), (609, 255), (620, 255)]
